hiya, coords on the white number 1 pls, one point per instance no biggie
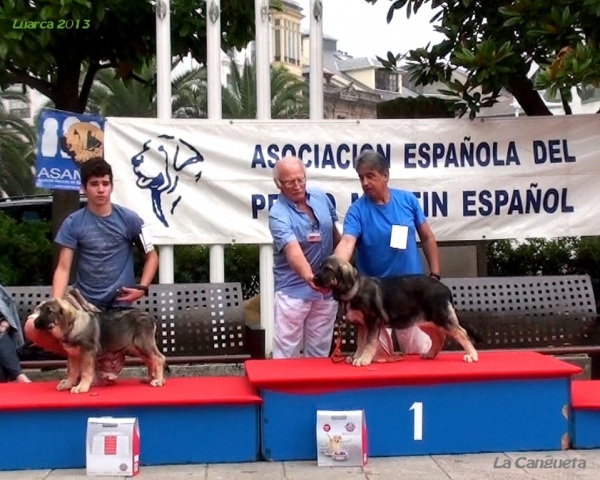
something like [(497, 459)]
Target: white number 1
[(417, 407)]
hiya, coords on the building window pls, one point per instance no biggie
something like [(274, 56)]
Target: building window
[(21, 112), (277, 45), (385, 80), (19, 109), (288, 42)]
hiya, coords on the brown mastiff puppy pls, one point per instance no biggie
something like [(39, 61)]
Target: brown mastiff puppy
[(97, 342)]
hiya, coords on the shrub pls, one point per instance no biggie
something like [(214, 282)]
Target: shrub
[(25, 252)]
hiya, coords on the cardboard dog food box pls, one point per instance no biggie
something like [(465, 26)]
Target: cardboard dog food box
[(341, 438), (112, 446)]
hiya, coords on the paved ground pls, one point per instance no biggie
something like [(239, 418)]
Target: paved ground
[(570, 464)]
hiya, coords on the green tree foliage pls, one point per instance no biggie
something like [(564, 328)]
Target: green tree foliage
[(561, 256), (289, 94), (112, 96), (417, 107), (17, 149), (241, 265), (498, 43), (62, 63), (25, 252), (109, 34)]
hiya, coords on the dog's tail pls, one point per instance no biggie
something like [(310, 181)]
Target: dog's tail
[(474, 335)]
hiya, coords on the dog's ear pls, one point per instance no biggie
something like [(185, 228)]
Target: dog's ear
[(57, 308), (346, 275), (64, 318)]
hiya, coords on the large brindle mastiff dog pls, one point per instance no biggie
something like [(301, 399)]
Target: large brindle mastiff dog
[(395, 302), (96, 342)]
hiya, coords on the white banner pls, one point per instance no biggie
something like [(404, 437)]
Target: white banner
[(207, 182)]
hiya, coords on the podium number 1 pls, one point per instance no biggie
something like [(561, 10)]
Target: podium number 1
[(417, 407)]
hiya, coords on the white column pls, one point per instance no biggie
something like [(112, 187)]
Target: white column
[(215, 109), (166, 270), (267, 294), (263, 112), (316, 60), (263, 59), (213, 59)]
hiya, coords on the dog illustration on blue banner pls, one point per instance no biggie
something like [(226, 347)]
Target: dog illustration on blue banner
[(162, 177), (65, 140)]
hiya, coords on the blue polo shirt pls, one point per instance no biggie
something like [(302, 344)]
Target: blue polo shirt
[(371, 224), (287, 223)]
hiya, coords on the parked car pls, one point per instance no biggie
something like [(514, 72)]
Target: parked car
[(31, 207)]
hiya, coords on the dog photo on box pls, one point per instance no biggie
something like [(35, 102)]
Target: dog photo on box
[(341, 438)]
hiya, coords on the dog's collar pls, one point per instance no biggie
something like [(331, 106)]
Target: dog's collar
[(351, 293)]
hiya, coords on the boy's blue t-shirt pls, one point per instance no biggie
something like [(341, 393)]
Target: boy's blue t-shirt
[(371, 225), (104, 245)]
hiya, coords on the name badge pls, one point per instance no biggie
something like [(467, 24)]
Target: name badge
[(314, 237), (399, 237)]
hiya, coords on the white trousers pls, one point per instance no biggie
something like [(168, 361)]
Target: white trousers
[(412, 341), (298, 322)]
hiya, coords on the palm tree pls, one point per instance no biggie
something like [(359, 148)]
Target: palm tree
[(111, 96), (289, 93), (17, 149), (136, 96)]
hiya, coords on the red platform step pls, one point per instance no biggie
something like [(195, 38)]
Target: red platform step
[(189, 420), (585, 413)]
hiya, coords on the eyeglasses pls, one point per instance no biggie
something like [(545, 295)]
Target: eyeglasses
[(292, 183)]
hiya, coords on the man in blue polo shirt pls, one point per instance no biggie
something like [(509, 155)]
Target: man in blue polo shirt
[(302, 223), (383, 226)]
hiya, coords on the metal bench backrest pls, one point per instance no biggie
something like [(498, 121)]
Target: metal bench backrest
[(535, 296), (527, 312), (27, 298), (198, 318), (193, 319)]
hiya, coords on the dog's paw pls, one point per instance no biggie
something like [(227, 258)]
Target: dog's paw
[(362, 361), (65, 384), (470, 358), (157, 383), (80, 388), (357, 355)]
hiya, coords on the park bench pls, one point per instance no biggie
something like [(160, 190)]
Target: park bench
[(197, 323), (554, 315)]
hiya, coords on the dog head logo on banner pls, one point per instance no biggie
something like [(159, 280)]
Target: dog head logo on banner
[(161, 179), (65, 140), (83, 141)]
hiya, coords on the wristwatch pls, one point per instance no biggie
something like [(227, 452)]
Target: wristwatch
[(435, 275)]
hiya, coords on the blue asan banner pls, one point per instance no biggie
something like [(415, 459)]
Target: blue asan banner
[(66, 140)]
